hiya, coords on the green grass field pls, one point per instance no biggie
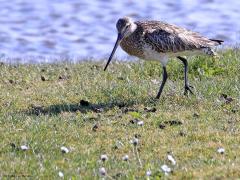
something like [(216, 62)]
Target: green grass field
[(40, 108)]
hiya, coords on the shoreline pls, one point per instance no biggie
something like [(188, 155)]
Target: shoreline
[(75, 59)]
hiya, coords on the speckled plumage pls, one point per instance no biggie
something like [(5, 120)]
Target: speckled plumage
[(164, 38)]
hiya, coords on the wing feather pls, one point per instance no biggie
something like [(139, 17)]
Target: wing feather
[(164, 37)]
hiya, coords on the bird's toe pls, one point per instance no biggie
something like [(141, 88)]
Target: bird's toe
[(188, 88)]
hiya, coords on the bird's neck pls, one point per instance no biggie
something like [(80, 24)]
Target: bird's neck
[(133, 27)]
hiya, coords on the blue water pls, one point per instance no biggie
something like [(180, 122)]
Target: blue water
[(45, 30)]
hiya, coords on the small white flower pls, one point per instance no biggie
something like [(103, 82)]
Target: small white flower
[(24, 147), (140, 123), (166, 169), (60, 174), (221, 150), (148, 173), (171, 159), (134, 141), (64, 149), (104, 157), (102, 171), (125, 157)]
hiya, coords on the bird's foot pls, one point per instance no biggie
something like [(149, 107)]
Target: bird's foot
[(157, 97), (188, 88)]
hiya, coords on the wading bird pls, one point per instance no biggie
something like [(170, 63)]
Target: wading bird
[(159, 41)]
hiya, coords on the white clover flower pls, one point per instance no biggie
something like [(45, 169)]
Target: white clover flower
[(104, 157), (134, 141), (148, 173), (140, 123), (102, 171), (171, 159), (64, 149), (221, 150), (166, 169), (125, 157), (60, 174), (24, 147)]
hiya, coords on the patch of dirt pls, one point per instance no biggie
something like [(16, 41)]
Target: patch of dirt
[(84, 103), (164, 124)]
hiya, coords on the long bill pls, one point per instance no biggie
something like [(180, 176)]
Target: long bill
[(114, 49)]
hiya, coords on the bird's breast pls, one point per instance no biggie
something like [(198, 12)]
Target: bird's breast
[(132, 47)]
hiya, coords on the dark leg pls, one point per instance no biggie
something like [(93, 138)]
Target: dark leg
[(186, 84), (165, 76)]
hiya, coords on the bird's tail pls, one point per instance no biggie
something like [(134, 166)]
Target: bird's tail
[(217, 40)]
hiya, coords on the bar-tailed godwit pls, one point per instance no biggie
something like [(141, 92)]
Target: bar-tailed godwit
[(159, 41)]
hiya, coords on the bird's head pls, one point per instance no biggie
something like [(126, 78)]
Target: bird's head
[(125, 27)]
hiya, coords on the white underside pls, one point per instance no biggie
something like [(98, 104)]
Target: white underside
[(152, 55)]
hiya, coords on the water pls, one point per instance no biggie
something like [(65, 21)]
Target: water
[(45, 30)]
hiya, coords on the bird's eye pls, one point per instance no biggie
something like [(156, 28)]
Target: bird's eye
[(128, 26)]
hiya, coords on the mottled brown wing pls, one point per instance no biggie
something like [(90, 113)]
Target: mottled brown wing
[(170, 38)]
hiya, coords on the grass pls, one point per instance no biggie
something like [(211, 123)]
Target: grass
[(40, 108)]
